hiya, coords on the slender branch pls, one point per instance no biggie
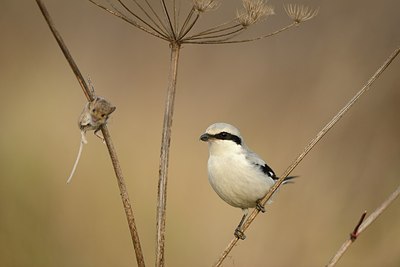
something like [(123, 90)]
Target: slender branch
[(211, 31), (159, 30), (168, 19), (307, 149), (156, 15), (164, 155), (354, 234), (245, 40), (188, 17), (130, 21), (88, 93), (174, 8), (227, 34), (362, 226), (124, 197), (190, 26), (215, 28), (107, 137)]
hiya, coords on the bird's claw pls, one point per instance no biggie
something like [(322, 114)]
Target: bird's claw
[(239, 234), (260, 207)]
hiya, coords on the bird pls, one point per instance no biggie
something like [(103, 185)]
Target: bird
[(237, 174)]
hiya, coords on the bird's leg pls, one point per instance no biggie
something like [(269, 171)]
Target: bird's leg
[(259, 206), (238, 231)]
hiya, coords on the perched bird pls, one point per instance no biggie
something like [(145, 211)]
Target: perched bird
[(238, 175)]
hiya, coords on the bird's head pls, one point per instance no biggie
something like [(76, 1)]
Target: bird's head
[(222, 137)]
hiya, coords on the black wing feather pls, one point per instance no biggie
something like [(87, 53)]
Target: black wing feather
[(268, 171)]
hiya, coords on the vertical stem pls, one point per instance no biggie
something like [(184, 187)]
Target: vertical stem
[(164, 156)]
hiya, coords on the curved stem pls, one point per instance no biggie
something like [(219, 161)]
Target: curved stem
[(164, 155)]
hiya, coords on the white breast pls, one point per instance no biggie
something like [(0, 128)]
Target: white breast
[(236, 180)]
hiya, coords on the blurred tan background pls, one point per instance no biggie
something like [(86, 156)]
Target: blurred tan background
[(279, 92)]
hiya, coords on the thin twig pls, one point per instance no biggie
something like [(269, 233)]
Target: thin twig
[(107, 137), (156, 15), (129, 20), (361, 227), (88, 93), (188, 17), (211, 31), (227, 34), (307, 149), (159, 30), (164, 155), (190, 26), (215, 28), (354, 234), (166, 13), (245, 40)]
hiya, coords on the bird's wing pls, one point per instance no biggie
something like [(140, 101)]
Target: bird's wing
[(256, 160)]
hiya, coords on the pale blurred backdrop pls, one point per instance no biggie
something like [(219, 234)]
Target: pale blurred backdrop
[(279, 92)]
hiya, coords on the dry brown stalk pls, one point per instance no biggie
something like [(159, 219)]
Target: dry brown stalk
[(307, 149), (107, 137), (362, 226), (164, 155)]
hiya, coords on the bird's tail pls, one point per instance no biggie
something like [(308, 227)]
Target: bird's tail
[(289, 179)]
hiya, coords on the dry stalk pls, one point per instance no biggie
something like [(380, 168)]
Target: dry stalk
[(362, 226), (164, 155), (107, 137), (307, 149)]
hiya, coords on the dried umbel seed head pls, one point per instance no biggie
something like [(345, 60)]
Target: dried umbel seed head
[(300, 13), (253, 12), (205, 5)]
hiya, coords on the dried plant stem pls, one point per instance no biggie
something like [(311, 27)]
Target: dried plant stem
[(164, 155), (124, 197), (159, 31), (367, 222), (129, 20), (224, 41), (307, 149), (107, 137), (88, 93)]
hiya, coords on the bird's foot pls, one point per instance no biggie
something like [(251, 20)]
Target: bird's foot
[(239, 234), (260, 207)]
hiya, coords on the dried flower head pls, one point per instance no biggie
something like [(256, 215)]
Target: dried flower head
[(205, 5), (254, 11), (300, 13)]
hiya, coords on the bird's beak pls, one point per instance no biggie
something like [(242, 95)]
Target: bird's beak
[(205, 137)]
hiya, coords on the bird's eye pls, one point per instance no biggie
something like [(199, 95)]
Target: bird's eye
[(224, 134)]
